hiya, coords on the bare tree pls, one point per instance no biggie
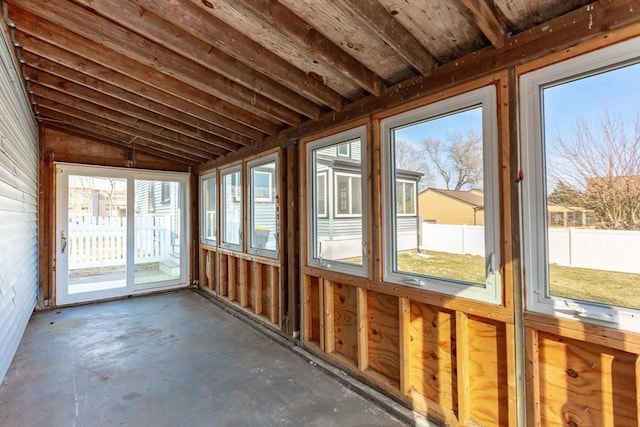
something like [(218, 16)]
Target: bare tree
[(458, 160), (410, 158), (604, 160)]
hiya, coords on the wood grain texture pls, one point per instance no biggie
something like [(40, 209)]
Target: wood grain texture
[(345, 299), (433, 360), (243, 283), (212, 271), (363, 329), (257, 277), (488, 385), (328, 314), (223, 284), (586, 384), (233, 277), (384, 335), (273, 279)]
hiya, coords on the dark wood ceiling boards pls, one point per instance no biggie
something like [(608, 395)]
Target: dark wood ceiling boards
[(194, 81)]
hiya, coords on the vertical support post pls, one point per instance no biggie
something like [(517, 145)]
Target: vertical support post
[(306, 309), (363, 333), (292, 239), (212, 270), (257, 287), (404, 312), (204, 255), (223, 284), (232, 285), (328, 314), (533, 377), (274, 304), (462, 363), (242, 281)]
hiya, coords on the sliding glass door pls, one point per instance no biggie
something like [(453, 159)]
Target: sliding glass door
[(119, 232)]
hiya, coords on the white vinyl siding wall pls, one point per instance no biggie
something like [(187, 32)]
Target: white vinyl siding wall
[(18, 210)]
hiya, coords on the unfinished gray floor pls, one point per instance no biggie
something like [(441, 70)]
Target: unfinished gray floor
[(167, 360)]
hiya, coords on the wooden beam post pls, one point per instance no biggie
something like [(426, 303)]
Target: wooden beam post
[(328, 311), (462, 364), (363, 333), (242, 283), (404, 312), (258, 288)]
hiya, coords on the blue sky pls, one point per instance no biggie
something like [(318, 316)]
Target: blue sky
[(442, 127), (617, 92)]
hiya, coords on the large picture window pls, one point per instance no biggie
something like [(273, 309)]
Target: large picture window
[(263, 209), (337, 203), (208, 217), (581, 194), (231, 204), (440, 197)]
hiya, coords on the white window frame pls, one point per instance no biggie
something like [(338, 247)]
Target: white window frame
[(208, 240), (533, 197), (404, 183), (271, 158), (491, 290), (222, 211), (336, 201), (342, 137)]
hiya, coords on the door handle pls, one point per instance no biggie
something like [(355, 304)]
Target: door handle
[(64, 241)]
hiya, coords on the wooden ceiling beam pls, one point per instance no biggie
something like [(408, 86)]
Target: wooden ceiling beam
[(68, 146), (198, 19), (154, 28), (103, 136), (118, 39), (50, 110), (393, 33), (56, 36), (60, 97), (55, 60), (280, 17), (487, 20), (107, 100)]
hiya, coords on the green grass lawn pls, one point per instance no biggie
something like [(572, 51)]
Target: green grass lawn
[(605, 287)]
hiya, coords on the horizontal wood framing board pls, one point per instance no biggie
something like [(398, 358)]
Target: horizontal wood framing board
[(488, 311)]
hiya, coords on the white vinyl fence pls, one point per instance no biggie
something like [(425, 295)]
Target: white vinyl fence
[(610, 250), (102, 241)]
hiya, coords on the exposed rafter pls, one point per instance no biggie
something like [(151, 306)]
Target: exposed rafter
[(393, 33), (289, 23), (487, 21), (194, 17)]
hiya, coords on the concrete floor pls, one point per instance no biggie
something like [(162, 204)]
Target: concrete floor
[(168, 360)]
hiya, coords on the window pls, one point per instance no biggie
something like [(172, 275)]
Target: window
[(208, 219), (581, 196), (337, 237), (348, 194), (151, 197), (166, 192), (344, 150), (321, 195), (450, 150), (231, 204), (405, 197), (263, 205)]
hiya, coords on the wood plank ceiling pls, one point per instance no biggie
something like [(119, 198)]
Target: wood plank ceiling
[(192, 81)]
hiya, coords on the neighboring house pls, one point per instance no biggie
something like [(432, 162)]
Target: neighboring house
[(439, 206), (339, 202), (569, 216), (90, 202)]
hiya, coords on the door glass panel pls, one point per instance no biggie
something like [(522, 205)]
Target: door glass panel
[(96, 242), (157, 231)]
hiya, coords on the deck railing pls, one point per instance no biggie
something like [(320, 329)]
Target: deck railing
[(101, 241)]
